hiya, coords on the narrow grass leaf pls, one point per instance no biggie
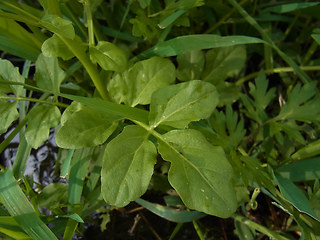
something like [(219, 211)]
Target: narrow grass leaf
[(10, 227), (170, 214), (127, 166), (171, 19), (199, 172), (301, 171), (78, 171), (294, 195), (311, 150), (289, 7), (178, 105), (19, 207), (22, 156), (183, 44)]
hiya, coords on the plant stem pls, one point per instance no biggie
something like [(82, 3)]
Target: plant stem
[(276, 70), (89, 23), (58, 104), (17, 129), (258, 227)]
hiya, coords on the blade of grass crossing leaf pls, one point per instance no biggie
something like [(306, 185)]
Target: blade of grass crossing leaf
[(169, 20), (175, 230), (289, 7), (304, 77), (19, 207), (66, 164), (170, 214), (198, 230), (10, 227), (78, 171), (72, 225), (183, 44)]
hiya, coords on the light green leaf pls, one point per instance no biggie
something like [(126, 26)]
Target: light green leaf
[(19, 207), (199, 172), (190, 65), (9, 113), (289, 7), (58, 25), (311, 150), (9, 73), (316, 37), (128, 166), (40, 120), (178, 105), (82, 126), (55, 47), (300, 105), (222, 63), (294, 195), (109, 56), (137, 85), (48, 74)]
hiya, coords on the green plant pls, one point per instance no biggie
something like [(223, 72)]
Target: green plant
[(157, 87)]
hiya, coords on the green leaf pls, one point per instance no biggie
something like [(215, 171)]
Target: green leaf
[(170, 213), (311, 150), (139, 82), (52, 195), (303, 170), (9, 113), (259, 91), (9, 73), (300, 106), (82, 126), (222, 63), (55, 47), (178, 105), (187, 43), (19, 207), (11, 228), (294, 195), (289, 7), (109, 56), (40, 120), (48, 74), (128, 166), (58, 25), (199, 172), (171, 19), (316, 37), (190, 65)]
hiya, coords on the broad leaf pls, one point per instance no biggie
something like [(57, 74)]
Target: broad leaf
[(40, 120), (128, 166), (48, 73), (58, 25), (9, 73), (55, 47), (223, 62), (300, 105), (82, 126), (9, 113), (137, 85), (179, 104), (190, 65), (199, 172), (109, 56)]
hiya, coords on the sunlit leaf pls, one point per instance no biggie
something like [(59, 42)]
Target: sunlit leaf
[(179, 104), (55, 47), (9, 113), (58, 25), (40, 120), (128, 166), (9, 73), (199, 172)]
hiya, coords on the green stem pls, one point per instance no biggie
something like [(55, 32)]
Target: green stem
[(89, 22), (259, 227), (276, 70), (304, 77), (34, 100), (17, 129), (88, 65), (198, 230)]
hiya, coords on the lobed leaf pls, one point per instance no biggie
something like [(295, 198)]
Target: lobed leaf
[(40, 119), (48, 74), (128, 166), (199, 172), (136, 85), (178, 105), (82, 126), (109, 56)]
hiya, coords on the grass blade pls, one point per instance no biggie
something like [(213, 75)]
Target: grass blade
[(19, 207)]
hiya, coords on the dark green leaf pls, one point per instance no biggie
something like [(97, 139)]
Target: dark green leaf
[(289, 7), (190, 65), (199, 172), (128, 166)]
